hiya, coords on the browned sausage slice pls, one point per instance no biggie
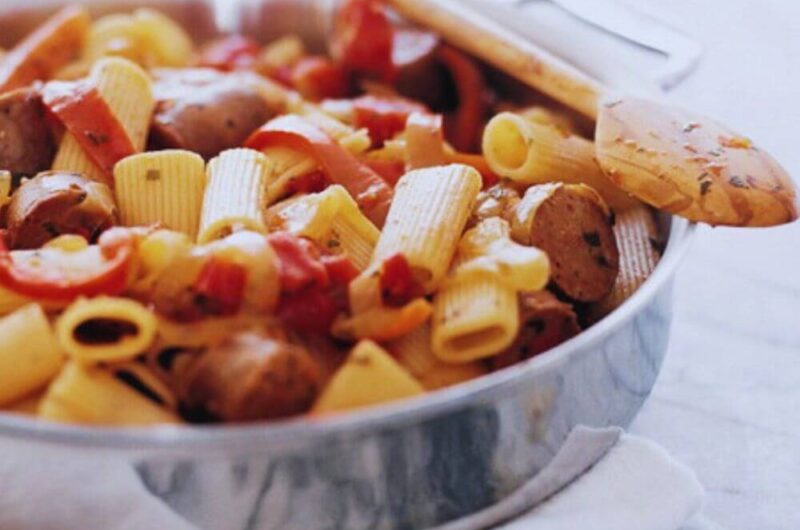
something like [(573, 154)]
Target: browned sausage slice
[(419, 75), (573, 225), (26, 144), (56, 203), (206, 111), (250, 377), (545, 322)]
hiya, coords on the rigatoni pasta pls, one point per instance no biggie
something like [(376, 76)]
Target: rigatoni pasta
[(164, 187), (429, 211), (105, 329), (234, 197)]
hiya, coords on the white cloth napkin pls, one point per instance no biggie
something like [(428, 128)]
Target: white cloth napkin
[(635, 486)]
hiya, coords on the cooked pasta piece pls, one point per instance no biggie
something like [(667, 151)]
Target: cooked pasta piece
[(476, 312), (426, 219), (156, 252), (637, 237), (413, 352), (234, 196), (10, 301), (164, 187), (141, 378), (333, 220), (369, 376), (529, 152), (126, 89), (87, 395), (29, 353), (564, 123), (105, 329), (27, 406)]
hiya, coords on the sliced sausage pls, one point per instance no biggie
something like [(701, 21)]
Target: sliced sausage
[(26, 143), (574, 226), (545, 322), (206, 111), (249, 377), (56, 203)]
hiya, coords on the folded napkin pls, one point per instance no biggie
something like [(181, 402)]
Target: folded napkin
[(636, 485)]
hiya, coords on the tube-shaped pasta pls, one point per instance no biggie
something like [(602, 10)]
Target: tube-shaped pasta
[(475, 313), (234, 196), (105, 329), (83, 394), (636, 232), (163, 187), (288, 164), (333, 220), (413, 352), (426, 219), (29, 353), (369, 376), (354, 140), (528, 153), (126, 89)]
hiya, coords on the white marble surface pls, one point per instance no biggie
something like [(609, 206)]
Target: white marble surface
[(727, 402)]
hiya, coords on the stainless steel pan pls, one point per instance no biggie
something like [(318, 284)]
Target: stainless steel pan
[(414, 464)]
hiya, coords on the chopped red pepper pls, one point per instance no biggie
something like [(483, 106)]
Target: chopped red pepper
[(318, 78), (384, 117), (51, 278), (314, 287), (300, 265), (221, 285), (85, 114), (363, 39), (370, 191), (398, 285), (230, 53)]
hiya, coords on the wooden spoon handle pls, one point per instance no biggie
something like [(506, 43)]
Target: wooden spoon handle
[(481, 36)]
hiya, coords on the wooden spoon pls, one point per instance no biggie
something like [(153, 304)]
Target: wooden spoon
[(676, 161)]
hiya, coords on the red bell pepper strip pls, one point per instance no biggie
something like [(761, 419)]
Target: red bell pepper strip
[(389, 170), (384, 117), (363, 38), (318, 78), (221, 283), (44, 279), (86, 115), (230, 53), (370, 191), (463, 127)]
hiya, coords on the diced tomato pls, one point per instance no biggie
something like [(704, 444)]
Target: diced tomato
[(389, 170), (340, 269), (230, 53), (384, 117), (310, 310), (221, 285), (318, 78), (370, 191), (463, 127), (300, 266), (43, 278), (398, 285), (363, 38), (85, 114), (283, 75)]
